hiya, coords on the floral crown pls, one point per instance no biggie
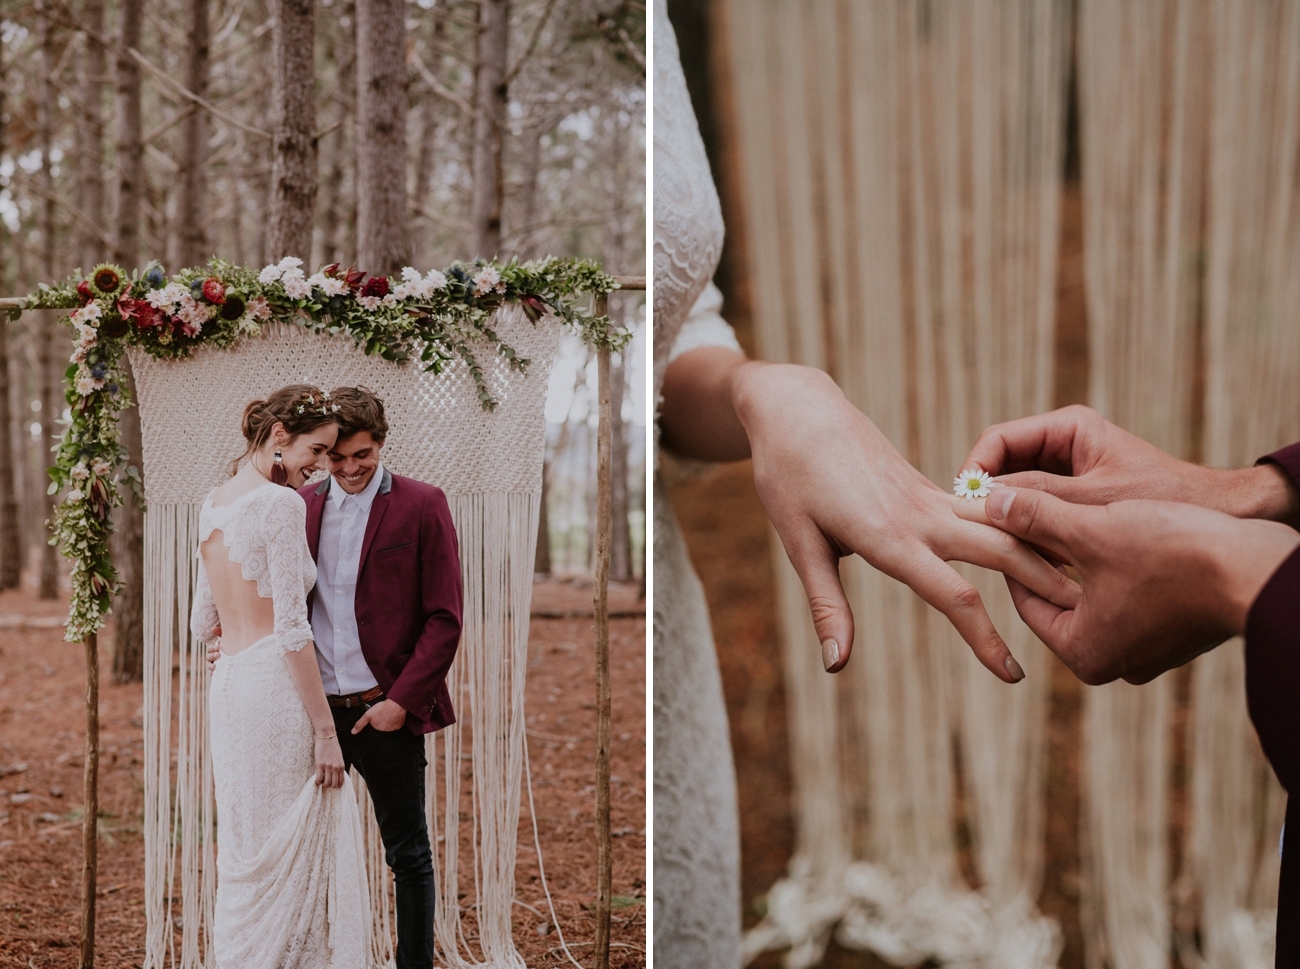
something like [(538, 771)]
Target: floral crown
[(318, 402)]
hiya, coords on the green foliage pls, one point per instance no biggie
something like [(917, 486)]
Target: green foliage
[(437, 319)]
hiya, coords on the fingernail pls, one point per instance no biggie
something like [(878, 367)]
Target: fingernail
[(1017, 674), (993, 484), (830, 653), (997, 505)]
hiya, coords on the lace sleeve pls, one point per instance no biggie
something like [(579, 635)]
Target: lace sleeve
[(705, 327), (292, 572), (204, 620)]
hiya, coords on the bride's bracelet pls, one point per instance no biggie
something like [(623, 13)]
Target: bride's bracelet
[(330, 736)]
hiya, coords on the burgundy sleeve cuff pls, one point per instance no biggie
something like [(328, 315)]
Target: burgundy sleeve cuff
[(1273, 669), (1288, 459)]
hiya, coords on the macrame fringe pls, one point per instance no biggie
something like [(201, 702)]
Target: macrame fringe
[(907, 157), (496, 533)]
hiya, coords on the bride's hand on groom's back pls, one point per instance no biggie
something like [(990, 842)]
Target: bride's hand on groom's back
[(833, 485), (1161, 581)]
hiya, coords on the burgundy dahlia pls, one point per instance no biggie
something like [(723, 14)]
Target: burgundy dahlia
[(83, 290), (375, 286), (213, 291)]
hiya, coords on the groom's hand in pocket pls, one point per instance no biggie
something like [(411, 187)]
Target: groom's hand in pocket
[(385, 716), (833, 485), (1161, 582)]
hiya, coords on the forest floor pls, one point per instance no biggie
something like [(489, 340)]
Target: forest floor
[(42, 736)]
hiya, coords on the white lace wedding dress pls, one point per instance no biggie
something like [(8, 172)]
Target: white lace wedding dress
[(291, 878), (696, 829)]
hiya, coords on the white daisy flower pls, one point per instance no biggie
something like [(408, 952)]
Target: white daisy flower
[(269, 274), (289, 262), (971, 484), (436, 279)]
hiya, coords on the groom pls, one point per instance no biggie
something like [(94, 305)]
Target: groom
[(385, 614)]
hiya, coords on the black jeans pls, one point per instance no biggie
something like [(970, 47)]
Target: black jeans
[(392, 765)]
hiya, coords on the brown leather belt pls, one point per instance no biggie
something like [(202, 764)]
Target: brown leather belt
[(356, 699)]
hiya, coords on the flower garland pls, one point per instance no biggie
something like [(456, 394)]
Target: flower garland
[(437, 317)]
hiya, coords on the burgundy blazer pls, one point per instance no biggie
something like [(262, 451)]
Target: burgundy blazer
[(408, 598), (1273, 697)]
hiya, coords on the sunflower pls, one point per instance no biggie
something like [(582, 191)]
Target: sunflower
[(107, 279)]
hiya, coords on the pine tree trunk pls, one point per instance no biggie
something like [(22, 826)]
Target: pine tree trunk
[(128, 553), (531, 148), (128, 537), (90, 249), (430, 123), (340, 209), (490, 97), (50, 381), (293, 93), (382, 213), (193, 208), (130, 150), (11, 543)]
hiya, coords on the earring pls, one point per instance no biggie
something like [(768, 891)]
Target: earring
[(278, 474)]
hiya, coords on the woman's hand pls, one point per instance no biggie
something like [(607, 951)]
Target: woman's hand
[(833, 485), (329, 761), (1161, 582)]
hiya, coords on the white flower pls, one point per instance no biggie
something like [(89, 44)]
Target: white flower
[(269, 274), (369, 302), (289, 262), (79, 471), (486, 280), (86, 384), (971, 484), (87, 314), (436, 280), (87, 336), (410, 274), (78, 355), (74, 496), (100, 467), (296, 288), (392, 299), (165, 299), (327, 284)]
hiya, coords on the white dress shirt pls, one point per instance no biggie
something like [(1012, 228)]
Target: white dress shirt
[(343, 668)]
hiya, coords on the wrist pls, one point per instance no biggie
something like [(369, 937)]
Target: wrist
[(1244, 558), (759, 389), (326, 733)]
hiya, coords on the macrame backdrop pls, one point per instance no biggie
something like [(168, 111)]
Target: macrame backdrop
[(490, 467), (902, 180), (900, 167), (1142, 134)]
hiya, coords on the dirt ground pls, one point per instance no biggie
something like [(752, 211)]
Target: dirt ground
[(42, 731)]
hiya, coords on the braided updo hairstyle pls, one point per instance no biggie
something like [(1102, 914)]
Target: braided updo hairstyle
[(299, 407)]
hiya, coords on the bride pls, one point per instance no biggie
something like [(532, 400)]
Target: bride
[(831, 483), (291, 880)]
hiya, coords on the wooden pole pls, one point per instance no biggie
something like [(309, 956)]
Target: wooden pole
[(90, 816), (604, 532), (604, 529)]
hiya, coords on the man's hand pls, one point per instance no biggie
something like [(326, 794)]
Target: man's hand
[(1076, 454), (833, 485), (386, 715), (214, 654), (1162, 582)]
